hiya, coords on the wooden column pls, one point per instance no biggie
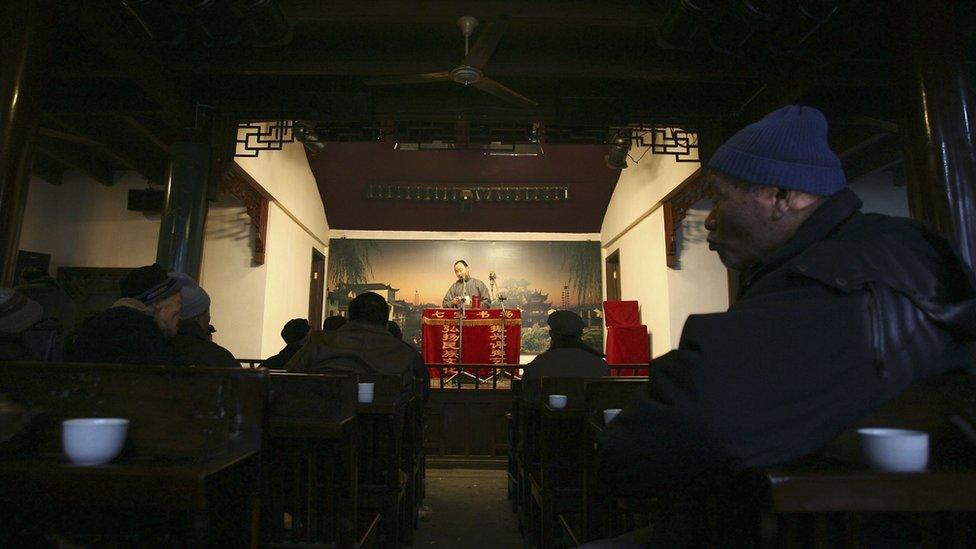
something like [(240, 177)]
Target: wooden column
[(181, 229), (938, 107), (25, 28)]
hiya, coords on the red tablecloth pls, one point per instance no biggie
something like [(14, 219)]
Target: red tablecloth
[(482, 338)]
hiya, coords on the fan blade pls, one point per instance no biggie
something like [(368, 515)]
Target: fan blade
[(408, 79), (486, 43), (488, 85)]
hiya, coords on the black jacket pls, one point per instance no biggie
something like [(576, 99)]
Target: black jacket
[(278, 361), (193, 345), (566, 362), (123, 335), (851, 312)]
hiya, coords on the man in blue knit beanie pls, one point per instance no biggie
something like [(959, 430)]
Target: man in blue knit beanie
[(838, 312)]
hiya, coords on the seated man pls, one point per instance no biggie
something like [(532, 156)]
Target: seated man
[(839, 312), (192, 340), (295, 334), (568, 355), (363, 345), (139, 327)]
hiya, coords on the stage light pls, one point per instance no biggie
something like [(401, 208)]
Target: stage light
[(619, 147)]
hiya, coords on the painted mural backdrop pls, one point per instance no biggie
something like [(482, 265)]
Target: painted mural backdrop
[(536, 277)]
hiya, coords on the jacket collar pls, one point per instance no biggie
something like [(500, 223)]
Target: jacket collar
[(192, 328), (831, 214)]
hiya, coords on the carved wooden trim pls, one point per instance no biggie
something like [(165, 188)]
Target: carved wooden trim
[(676, 205), (240, 184)]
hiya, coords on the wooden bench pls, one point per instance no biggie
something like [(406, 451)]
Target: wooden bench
[(189, 471), (382, 481), (309, 465)]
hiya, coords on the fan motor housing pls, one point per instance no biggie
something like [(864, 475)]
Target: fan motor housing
[(466, 74)]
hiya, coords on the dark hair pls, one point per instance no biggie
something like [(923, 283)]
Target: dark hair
[(369, 307), (333, 323), (462, 262), (394, 329)]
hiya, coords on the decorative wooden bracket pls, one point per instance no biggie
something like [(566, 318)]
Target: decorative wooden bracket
[(676, 205), (240, 184)]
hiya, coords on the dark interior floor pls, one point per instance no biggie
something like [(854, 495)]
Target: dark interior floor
[(470, 510)]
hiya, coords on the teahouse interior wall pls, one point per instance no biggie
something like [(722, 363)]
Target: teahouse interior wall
[(83, 223), (635, 228), (252, 302)]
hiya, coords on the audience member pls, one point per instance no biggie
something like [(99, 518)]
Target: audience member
[(138, 328), (363, 345), (295, 333), (192, 340), (333, 323), (568, 355), (839, 311), (17, 314), (38, 285)]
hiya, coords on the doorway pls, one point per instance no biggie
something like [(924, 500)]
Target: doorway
[(316, 290), (613, 276)]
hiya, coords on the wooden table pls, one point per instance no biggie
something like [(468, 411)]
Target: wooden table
[(214, 494)]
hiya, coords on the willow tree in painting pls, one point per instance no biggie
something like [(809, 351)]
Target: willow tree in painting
[(583, 262), (349, 261)]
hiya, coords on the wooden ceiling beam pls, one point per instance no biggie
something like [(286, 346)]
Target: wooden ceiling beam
[(825, 55), (601, 13), (148, 135), (71, 158), (48, 169), (100, 26), (95, 138)]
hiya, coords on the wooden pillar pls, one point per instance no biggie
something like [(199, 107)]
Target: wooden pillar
[(938, 107), (181, 229), (25, 28)]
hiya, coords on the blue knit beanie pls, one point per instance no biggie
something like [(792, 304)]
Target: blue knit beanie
[(786, 149)]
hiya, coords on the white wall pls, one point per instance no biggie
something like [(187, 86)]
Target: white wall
[(696, 287), (83, 223), (634, 226), (236, 287), (251, 303)]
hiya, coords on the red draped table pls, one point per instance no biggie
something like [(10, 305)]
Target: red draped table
[(475, 339)]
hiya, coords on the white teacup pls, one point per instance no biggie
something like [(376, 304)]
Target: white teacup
[(895, 450), (93, 441), (557, 401), (366, 392), (609, 414)]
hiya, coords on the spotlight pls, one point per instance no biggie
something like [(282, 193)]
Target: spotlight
[(619, 147)]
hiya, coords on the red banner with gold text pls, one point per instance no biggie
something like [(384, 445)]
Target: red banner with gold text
[(475, 339)]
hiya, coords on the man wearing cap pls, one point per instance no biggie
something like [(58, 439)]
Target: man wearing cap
[(295, 333), (192, 340), (839, 312), (362, 345), (138, 328), (568, 355)]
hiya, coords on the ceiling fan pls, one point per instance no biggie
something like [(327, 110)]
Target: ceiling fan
[(469, 72)]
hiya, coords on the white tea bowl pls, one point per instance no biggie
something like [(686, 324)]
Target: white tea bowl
[(895, 450), (609, 414), (93, 441), (557, 401), (366, 392)]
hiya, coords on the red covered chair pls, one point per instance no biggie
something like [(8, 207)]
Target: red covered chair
[(627, 339)]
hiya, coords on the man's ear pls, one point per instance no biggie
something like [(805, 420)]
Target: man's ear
[(781, 203)]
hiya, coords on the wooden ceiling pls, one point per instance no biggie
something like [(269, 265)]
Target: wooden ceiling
[(127, 78)]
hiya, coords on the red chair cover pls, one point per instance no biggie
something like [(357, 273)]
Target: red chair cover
[(621, 313), (628, 345)]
